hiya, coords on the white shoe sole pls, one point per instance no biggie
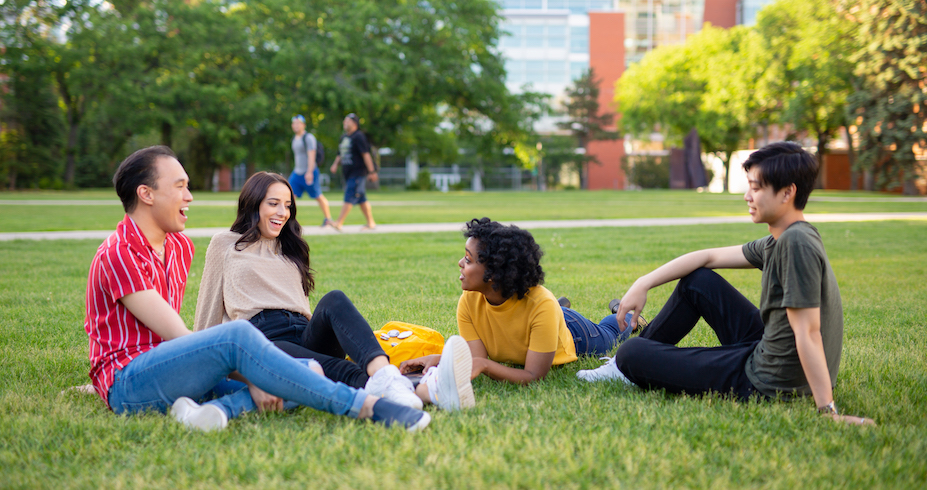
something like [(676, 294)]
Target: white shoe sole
[(454, 376), (195, 416), (421, 424)]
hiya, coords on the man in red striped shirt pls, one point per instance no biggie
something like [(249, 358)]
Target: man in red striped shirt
[(143, 356)]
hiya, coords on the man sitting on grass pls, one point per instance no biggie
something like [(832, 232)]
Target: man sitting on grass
[(142, 355), (790, 345)]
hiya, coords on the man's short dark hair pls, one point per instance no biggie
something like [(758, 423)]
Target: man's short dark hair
[(354, 118), (138, 169), (782, 164)]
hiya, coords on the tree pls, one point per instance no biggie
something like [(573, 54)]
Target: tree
[(812, 74), (891, 110), (708, 84), (585, 120)]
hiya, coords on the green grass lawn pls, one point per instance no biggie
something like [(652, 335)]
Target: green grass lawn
[(558, 433), (433, 207)]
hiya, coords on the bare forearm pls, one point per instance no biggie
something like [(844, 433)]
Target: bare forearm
[(814, 364), (712, 258), (368, 161), (501, 372)]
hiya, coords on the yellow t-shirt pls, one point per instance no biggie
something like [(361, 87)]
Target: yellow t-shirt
[(509, 330)]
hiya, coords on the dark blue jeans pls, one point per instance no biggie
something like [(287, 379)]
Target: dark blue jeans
[(336, 329), (652, 359), (593, 339)]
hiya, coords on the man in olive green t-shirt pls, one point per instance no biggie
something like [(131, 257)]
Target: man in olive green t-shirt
[(789, 346)]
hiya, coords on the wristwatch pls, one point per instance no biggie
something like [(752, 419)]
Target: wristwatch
[(829, 409)]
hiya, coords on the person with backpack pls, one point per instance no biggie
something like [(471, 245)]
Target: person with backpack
[(308, 155)]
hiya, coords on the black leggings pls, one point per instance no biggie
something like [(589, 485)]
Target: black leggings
[(652, 360), (336, 329)]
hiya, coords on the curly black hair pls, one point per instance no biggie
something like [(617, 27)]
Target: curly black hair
[(511, 256)]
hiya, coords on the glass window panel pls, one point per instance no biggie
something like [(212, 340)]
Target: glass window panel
[(512, 4), (556, 36), (556, 4), (515, 70), (577, 68), (534, 36), (579, 39), (533, 4), (534, 71), (556, 72)]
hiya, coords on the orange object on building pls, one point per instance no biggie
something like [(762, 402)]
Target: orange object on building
[(606, 57)]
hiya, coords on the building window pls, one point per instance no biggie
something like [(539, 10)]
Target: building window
[(579, 39), (556, 72), (534, 36), (577, 68), (534, 71), (515, 71), (556, 36)]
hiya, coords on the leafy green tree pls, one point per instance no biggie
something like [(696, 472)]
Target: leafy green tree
[(585, 120), (891, 108), (708, 84), (31, 136), (810, 45)]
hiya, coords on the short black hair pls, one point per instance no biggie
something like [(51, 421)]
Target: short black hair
[(510, 255), (782, 164), (138, 169)]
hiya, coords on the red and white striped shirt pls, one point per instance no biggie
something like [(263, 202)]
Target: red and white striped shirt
[(126, 263)]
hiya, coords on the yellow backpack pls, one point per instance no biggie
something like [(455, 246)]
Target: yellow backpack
[(403, 341)]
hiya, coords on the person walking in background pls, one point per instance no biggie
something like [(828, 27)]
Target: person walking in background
[(305, 175), (356, 164)]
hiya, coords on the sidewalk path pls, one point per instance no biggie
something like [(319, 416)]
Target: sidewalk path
[(530, 225)]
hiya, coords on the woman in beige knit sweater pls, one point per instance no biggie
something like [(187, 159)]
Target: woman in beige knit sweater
[(259, 271)]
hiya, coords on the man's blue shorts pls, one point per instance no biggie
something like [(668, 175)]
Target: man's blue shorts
[(355, 190), (298, 183)]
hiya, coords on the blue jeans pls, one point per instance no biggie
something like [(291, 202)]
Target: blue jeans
[(594, 339), (197, 365)]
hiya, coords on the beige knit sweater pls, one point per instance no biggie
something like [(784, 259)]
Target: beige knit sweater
[(238, 284)]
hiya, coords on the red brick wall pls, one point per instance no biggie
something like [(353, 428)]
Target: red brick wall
[(720, 13), (606, 57)]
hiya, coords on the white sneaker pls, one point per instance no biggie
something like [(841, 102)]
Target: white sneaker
[(607, 372), (449, 382), (388, 383), (204, 417)]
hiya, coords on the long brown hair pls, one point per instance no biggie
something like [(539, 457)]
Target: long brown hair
[(290, 240)]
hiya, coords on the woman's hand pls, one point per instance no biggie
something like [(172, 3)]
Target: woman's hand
[(265, 401), (853, 420), (419, 364)]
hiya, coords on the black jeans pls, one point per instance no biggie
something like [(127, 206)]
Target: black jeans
[(336, 329), (652, 360)]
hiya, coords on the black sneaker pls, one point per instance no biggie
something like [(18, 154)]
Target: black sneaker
[(388, 413), (564, 302), (641, 321)]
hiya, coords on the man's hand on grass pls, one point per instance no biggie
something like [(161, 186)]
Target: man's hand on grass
[(419, 364)]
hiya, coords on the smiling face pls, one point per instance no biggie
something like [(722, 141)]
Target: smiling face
[(275, 210), (765, 205), (471, 271), (170, 197)]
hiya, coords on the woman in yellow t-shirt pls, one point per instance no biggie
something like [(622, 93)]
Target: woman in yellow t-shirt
[(506, 316)]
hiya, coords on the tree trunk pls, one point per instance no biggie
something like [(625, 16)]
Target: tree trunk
[(909, 187), (822, 149), (727, 170), (851, 157), (868, 180), (70, 150), (167, 134)]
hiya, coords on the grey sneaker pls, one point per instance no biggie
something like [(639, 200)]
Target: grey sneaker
[(607, 372), (206, 417), (389, 384), (449, 382), (564, 302), (389, 414)]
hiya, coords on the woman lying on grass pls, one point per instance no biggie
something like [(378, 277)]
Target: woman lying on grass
[(259, 271), (506, 316)]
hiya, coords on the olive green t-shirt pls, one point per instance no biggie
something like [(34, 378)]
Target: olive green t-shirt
[(796, 274)]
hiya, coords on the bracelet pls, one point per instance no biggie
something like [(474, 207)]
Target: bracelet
[(829, 409)]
